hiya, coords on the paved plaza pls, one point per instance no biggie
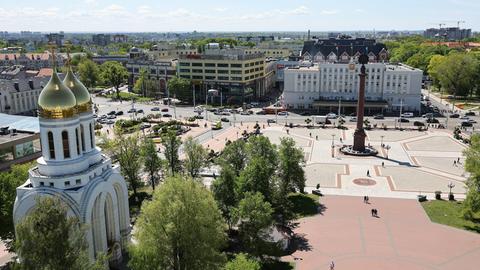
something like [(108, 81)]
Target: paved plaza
[(402, 237), (415, 162)]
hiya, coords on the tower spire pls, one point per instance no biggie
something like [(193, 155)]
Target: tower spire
[(51, 47)]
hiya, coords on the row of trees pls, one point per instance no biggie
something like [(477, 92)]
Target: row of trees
[(472, 165), (454, 70)]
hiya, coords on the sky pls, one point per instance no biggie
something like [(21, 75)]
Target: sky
[(239, 15)]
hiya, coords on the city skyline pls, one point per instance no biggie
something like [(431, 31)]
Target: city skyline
[(212, 16)]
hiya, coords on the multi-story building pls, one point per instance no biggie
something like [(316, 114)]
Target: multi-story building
[(158, 73), (30, 60), (238, 75), (270, 52), (449, 33), (119, 38), (326, 86), (168, 51), (101, 39), (343, 49), (56, 38), (20, 96)]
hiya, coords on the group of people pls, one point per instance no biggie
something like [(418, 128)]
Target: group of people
[(374, 211), (456, 162)]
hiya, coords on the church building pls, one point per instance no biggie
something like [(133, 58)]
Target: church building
[(73, 169)]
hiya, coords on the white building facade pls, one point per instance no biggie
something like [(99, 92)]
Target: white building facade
[(73, 169), (325, 86)]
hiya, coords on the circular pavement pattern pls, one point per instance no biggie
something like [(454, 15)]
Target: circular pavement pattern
[(364, 182)]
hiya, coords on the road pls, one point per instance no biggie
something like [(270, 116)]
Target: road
[(181, 112)]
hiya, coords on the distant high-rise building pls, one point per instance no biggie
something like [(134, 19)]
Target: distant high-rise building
[(56, 38), (101, 39), (449, 33)]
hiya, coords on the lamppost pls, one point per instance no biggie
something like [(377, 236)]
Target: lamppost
[(333, 139), (450, 186), (333, 145), (213, 92), (381, 143)]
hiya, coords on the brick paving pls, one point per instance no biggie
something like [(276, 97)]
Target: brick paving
[(402, 237)]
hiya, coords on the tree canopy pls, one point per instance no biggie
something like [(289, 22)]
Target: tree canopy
[(472, 165), (114, 74), (181, 228)]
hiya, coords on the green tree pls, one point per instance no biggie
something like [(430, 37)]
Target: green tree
[(140, 84), (472, 165), (235, 155), (9, 181), (258, 176), (261, 147), (254, 215), (242, 262), (114, 74), (180, 88), (171, 143), (195, 156), (89, 72), (127, 150), (457, 73), (48, 239), (224, 190), (152, 161), (291, 162), (433, 71), (181, 228)]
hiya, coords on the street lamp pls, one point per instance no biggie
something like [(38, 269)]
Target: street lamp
[(387, 148), (450, 186), (381, 143), (333, 138)]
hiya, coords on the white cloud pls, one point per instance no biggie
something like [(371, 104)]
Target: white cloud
[(359, 10), (91, 2), (221, 9), (301, 10), (329, 12), (144, 9), (111, 10)]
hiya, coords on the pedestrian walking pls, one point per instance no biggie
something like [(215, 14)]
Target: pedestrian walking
[(383, 164), (364, 199), (454, 163), (310, 134), (341, 140), (373, 212), (332, 265), (368, 173), (458, 160), (316, 137)]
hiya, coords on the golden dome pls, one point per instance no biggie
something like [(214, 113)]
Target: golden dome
[(56, 100), (84, 102)]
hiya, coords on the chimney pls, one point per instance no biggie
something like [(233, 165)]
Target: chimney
[(16, 85), (30, 83)]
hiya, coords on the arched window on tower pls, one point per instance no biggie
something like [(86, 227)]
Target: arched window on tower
[(82, 136), (91, 135), (66, 146), (78, 142), (51, 145)]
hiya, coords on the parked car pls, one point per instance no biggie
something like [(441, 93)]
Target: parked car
[(379, 116), (464, 117), (198, 117), (103, 116), (472, 121), (403, 120), (167, 115), (165, 110), (353, 119), (140, 111), (111, 113), (427, 115), (407, 115), (226, 113), (155, 109), (110, 122), (466, 124), (284, 113), (432, 121), (119, 113), (331, 116), (305, 114), (470, 113), (244, 113), (95, 116), (418, 124), (144, 126), (455, 115), (261, 112), (270, 120), (224, 119), (113, 116)]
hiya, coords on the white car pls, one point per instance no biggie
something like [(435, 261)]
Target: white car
[(406, 115), (282, 113), (464, 117), (353, 119), (331, 116)]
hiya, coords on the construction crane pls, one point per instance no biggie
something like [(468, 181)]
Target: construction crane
[(458, 23)]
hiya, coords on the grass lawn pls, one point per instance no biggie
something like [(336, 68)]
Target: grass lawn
[(450, 213), (304, 204)]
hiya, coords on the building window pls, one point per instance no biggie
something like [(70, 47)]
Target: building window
[(51, 184), (67, 183), (236, 65), (42, 184), (82, 137), (78, 181), (222, 65), (209, 64), (92, 137), (78, 142), (51, 145), (66, 147), (197, 64)]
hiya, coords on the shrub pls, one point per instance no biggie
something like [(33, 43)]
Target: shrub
[(438, 195)]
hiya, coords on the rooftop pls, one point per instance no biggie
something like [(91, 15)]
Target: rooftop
[(19, 122)]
